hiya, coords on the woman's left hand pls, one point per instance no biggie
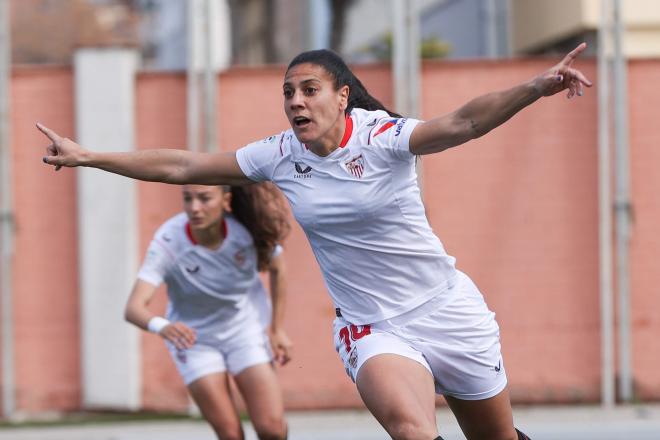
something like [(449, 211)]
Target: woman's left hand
[(563, 76), (281, 345)]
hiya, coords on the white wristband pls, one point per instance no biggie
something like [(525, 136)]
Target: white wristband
[(156, 324)]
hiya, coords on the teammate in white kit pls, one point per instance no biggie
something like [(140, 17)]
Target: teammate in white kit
[(218, 320), (408, 323)]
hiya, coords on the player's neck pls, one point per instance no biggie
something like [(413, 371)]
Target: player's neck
[(211, 237), (332, 140)]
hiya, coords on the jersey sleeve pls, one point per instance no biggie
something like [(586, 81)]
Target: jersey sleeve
[(156, 263), (257, 160), (393, 134)]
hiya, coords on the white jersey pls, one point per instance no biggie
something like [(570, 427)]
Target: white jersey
[(212, 291), (362, 212)]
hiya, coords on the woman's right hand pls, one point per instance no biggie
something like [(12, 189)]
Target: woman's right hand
[(62, 152), (179, 334)]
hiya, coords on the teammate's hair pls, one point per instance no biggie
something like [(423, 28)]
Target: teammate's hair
[(262, 210), (358, 96)]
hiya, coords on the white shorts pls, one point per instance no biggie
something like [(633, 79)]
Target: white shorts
[(453, 335), (208, 356)]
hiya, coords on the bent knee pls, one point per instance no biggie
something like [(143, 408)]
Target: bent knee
[(410, 431)]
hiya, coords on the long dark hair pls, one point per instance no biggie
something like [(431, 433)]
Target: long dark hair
[(262, 210), (358, 96)]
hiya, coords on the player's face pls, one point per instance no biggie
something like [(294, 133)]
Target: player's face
[(314, 108), (205, 205)]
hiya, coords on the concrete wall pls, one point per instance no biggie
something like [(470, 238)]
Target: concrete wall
[(517, 208), (537, 23)]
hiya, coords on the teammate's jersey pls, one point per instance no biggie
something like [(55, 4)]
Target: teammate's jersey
[(361, 209), (212, 291)]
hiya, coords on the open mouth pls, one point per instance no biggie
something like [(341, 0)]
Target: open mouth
[(301, 121)]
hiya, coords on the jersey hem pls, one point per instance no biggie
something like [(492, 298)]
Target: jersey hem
[(444, 287)]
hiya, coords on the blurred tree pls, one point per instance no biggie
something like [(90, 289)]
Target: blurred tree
[(48, 31), (429, 48), (253, 31), (339, 9)]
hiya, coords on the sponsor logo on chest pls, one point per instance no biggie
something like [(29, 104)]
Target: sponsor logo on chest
[(302, 171)]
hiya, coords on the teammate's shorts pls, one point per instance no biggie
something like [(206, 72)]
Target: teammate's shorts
[(209, 356), (453, 335)]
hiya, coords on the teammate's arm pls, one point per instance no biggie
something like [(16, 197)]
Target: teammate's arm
[(137, 312), (482, 114), (157, 165), (280, 342)]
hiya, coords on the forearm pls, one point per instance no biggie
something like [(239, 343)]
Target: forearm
[(472, 120), (489, 111), (137, 307), (138, 316), (158, 165), (278, 298)]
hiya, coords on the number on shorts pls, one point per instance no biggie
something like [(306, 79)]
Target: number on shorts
[(355, 333)]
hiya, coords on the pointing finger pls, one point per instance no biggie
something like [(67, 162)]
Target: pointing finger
[(48, 132), (572, 55)]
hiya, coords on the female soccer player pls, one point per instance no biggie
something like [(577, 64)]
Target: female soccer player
[(408, 322), (219, 315)]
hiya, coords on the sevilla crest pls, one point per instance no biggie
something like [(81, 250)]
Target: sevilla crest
[(356, 166)]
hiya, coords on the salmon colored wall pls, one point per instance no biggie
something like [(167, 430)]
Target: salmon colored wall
[(161, 122), (645, 241), (45, 273), (517, 208)]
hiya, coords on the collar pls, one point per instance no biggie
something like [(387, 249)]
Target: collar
[(223, 229), (348, 131)]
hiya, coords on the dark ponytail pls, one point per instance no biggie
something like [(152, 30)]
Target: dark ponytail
[(262, 210), (358, 96)]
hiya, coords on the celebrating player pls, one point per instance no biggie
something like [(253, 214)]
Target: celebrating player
[(408, 324)]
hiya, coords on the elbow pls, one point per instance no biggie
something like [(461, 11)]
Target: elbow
[(128, 315), (177, 171), (176, 176), (476, 130)]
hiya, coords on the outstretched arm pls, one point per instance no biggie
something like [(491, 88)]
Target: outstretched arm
[(159, 165), (482, 114)]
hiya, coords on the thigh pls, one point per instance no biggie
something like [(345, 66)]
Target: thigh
[(197, 361), (399, 392), (261, 391), (212, 395), (247, 351), (487, 419)]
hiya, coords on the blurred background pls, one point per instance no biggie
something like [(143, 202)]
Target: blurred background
[(555, 214)]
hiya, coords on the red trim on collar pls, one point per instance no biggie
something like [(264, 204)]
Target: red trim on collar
[(192, 239), (348, 131)]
